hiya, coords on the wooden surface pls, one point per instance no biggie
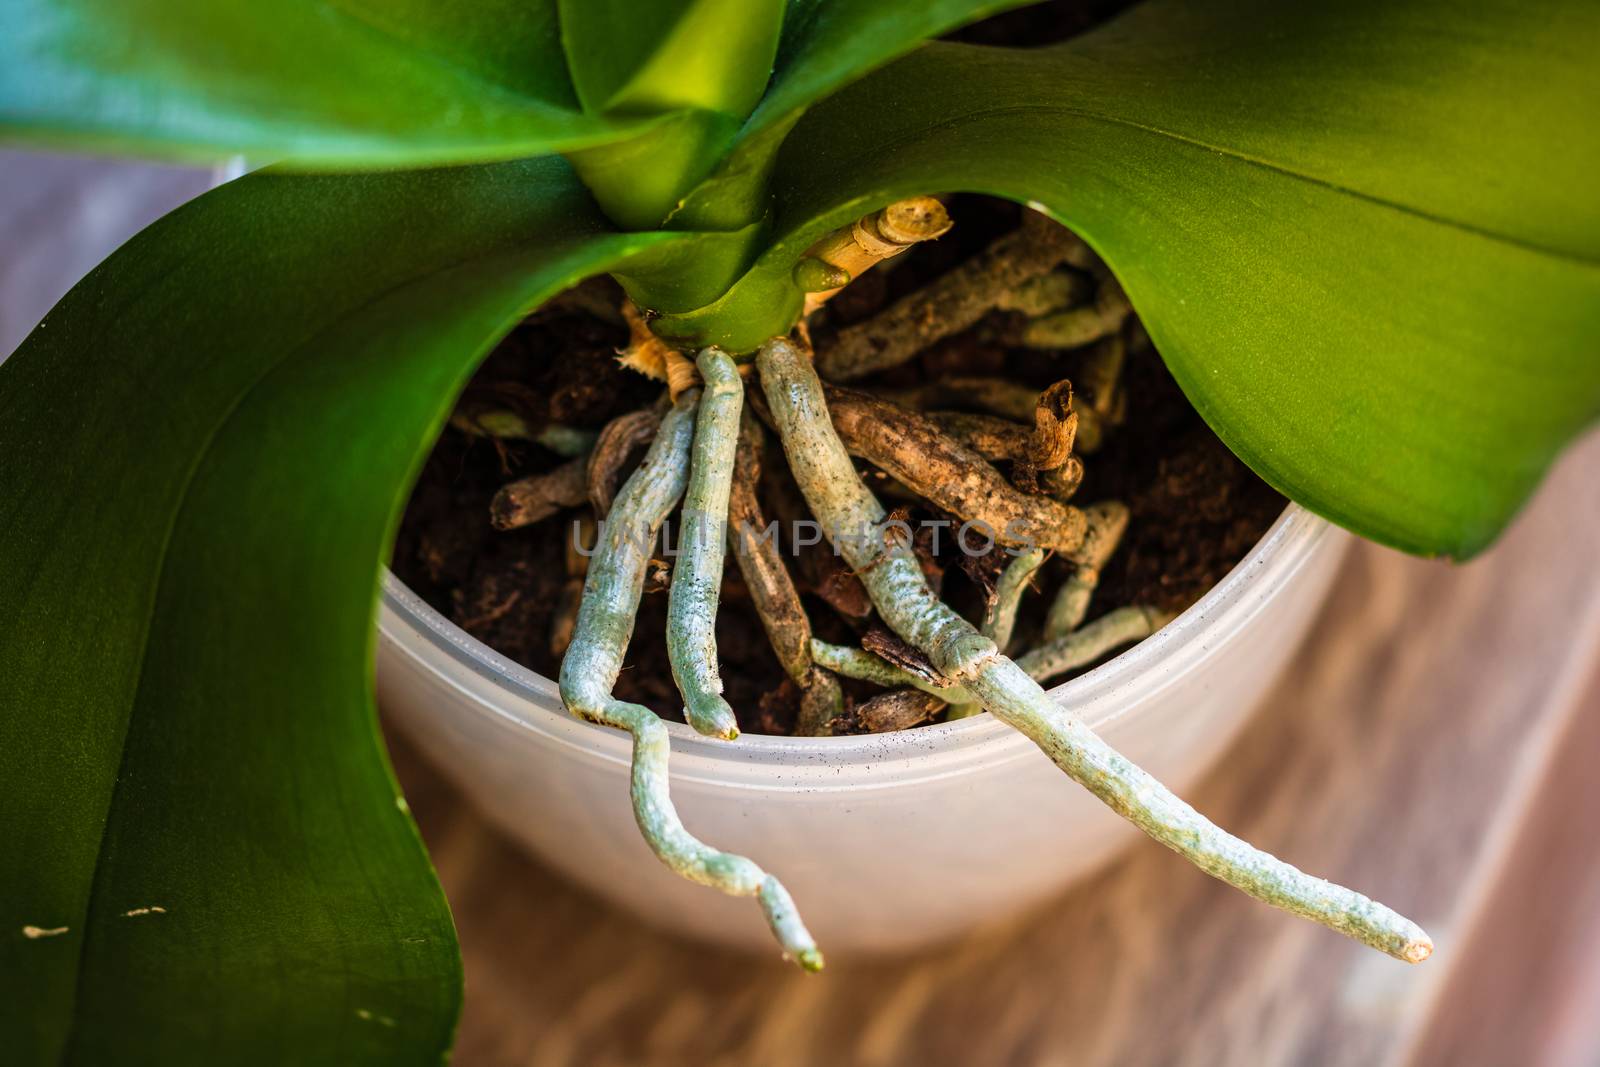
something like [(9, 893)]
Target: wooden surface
[(1411, 752)]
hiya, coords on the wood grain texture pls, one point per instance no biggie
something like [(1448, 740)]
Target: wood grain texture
[(1526, 989), (1402, 755)]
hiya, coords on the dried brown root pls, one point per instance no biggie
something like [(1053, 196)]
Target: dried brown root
[(681, 373), (1101, 376), (913, 450), (898, 709), (883, 643), (621, 436), (1003, 441), (1078, 326), (949, 304), (996, 396), (646, 353), (1062, 483), (1046, 293), (995, 439), (539, 496), (772, 591), (1055, 427), (865, 666)]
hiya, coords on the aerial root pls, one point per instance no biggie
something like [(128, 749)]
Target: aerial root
[(1000, 616), (697, 577), (616, 443), (826, 476), (1080, 648), (1107, 522), (1081, 325), (611, 592), (1083, 646)]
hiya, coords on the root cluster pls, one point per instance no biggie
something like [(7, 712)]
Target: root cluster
[(756, 457)]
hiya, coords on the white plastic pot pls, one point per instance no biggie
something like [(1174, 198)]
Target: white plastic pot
[(887, 841)]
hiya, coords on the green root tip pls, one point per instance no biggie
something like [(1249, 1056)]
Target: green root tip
[(812, 275), (810, 960), (712, 718)]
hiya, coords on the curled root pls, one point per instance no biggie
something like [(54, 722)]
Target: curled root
[(611, 595)]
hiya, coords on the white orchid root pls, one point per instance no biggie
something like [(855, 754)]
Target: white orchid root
[(1083, 646), (1107, 522), (895, 582), (697, 578), (611, 596), (1051, 659), (1000, 616), (866, 666)]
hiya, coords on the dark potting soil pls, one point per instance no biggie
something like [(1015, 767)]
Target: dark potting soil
[(1195, 509)]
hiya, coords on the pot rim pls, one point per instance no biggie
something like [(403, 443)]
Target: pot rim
[(525, 700)]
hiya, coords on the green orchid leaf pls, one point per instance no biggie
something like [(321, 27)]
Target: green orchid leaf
[(1362, 235), (825, 45), (206, 858), (628, 57), (704, 61), (335, 84)]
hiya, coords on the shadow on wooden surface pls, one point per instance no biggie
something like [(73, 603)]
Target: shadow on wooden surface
[(1402, 755)]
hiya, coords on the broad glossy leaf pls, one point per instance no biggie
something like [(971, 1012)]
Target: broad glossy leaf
[(318, 83), (205, 855), (825, 45), (1364, 236), (706, 60), (628, 56)]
